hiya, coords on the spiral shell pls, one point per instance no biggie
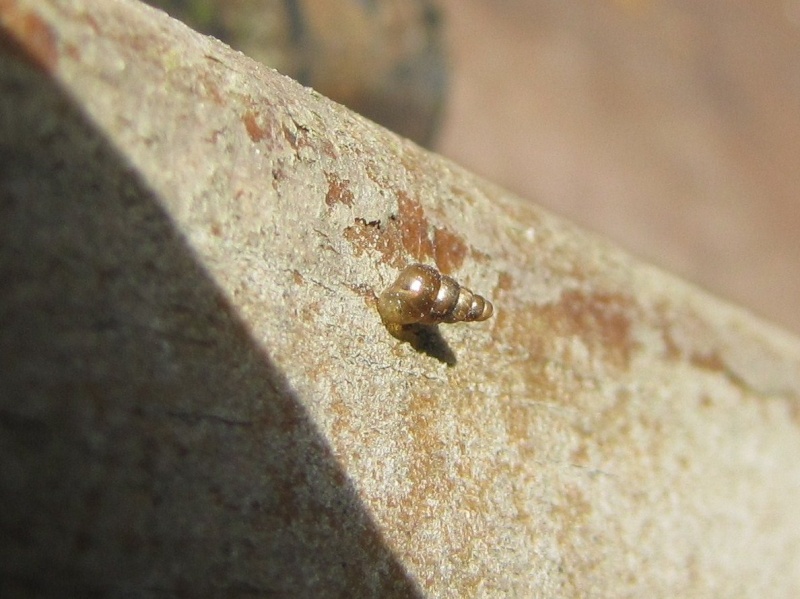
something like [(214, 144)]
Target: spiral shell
[(422, 295)]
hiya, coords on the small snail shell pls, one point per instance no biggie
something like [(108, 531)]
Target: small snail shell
[(422, 295)]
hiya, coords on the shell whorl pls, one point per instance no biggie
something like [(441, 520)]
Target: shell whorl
[(422, 295)]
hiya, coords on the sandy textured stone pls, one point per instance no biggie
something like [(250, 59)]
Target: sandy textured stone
[(197, 396)]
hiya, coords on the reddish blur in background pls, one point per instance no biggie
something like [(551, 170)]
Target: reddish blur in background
[(672, 127)]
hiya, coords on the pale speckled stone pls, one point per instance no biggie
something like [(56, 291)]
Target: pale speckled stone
[(198, 396)]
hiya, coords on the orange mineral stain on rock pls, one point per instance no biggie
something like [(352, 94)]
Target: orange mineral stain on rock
[(449, 250), (433, 482), (602, 320), (414, 227), (697, 346), (297, 137), (338, 191), (256, 132), (710, 361), (505, 282), (404, 238), (28, 37), (364, 236)]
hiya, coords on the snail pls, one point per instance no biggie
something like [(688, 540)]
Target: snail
[(422, 295)]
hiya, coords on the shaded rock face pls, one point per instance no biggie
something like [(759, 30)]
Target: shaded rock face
[(148, 444)]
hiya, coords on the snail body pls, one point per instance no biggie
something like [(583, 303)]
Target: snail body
[(422, 295)]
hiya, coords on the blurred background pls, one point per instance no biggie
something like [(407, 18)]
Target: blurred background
[(671, 127)]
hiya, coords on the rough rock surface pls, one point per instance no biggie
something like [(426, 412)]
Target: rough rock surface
[(197, 396)]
